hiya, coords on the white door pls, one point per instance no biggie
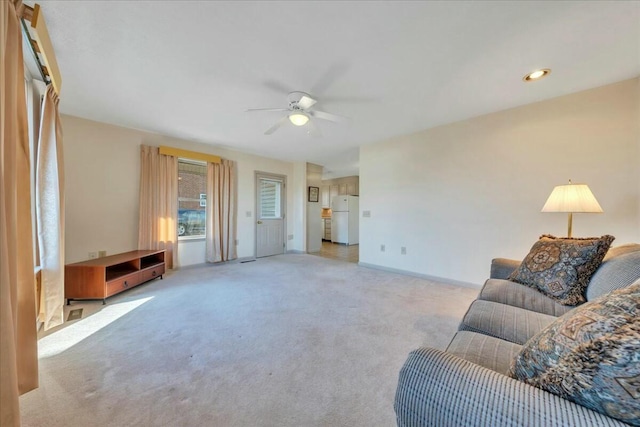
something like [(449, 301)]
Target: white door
[(269, 215)]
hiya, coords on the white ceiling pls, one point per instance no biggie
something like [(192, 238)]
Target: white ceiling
[(191, 69)]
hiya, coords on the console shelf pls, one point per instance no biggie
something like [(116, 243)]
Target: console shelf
[(101, 278)]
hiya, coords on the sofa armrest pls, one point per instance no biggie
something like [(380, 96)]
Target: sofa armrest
[(501, 268), (439, 389)]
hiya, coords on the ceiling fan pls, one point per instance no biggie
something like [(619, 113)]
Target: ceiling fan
[(300, 113)]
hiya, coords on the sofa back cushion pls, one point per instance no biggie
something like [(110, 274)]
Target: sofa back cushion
[(590, 356), (620, 268)]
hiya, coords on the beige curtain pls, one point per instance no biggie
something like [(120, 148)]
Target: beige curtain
[(222, 210), (50, 212), (157, 227), (18, 337)]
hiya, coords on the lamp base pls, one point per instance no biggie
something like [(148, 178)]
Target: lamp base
[(570, 224)]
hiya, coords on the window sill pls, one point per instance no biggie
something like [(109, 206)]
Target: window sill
[(188, 239)]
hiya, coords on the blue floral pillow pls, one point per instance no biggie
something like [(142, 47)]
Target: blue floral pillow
[(562, 267), (590, 356)]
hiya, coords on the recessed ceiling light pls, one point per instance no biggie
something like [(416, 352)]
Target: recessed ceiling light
[(298, 119), (536, 75)]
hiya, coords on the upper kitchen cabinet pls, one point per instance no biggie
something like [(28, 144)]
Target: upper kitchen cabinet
[(325, 196), (352, 188), (347, 186)]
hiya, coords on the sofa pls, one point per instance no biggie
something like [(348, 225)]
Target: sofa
[(471, 382)]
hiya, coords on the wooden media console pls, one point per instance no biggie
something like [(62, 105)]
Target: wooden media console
[(103, 277)]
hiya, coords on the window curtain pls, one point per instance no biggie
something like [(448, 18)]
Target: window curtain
[(50, 212), (222, 207), (157, 227), (18, 335)]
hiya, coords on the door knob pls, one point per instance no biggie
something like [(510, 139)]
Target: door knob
[(259, 222)]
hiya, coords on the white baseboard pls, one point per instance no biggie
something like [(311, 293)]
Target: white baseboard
[(420, 275)]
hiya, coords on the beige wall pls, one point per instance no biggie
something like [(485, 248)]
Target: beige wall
[(458, 195), (102, 181), (314, 215)]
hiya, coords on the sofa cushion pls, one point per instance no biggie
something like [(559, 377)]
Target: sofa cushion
[(518, 295), (503, 321), (590, 356), (490, 352), (501, 268), (620, 268), (562, 267)]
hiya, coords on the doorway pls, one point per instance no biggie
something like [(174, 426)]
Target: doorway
[(270, 214), (348, 253)]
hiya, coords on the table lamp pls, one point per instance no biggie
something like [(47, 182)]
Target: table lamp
[(572, 198)]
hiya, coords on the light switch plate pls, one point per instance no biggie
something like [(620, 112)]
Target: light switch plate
[(366, 214)]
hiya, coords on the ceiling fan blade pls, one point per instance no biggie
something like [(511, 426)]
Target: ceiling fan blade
[(266, 109), (275, 127), (306, 102), (312, 130), (327, 116), (276, 86)]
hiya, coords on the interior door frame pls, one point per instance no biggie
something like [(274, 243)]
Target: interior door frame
[(283, 201)]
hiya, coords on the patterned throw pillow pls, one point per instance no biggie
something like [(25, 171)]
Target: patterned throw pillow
[(561, 267), (590, 356)]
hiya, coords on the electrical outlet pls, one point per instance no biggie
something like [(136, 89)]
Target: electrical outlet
[(248, 213), (403, 251), (381, 248), (102, 254), (93, 255), (290, 237)]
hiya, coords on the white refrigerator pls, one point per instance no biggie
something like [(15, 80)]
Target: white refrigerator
[(344, 220)]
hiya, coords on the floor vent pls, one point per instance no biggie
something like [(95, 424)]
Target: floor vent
[(75, 314)]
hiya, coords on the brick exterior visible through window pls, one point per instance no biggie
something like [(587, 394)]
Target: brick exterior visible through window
[(192, 187)]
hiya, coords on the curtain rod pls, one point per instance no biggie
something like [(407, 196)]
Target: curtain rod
[(41, 44)]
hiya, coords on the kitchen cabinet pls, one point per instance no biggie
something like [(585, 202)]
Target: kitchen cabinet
[(334, 190), (325, 196), (326, 235), (352, 188), (347, 186)]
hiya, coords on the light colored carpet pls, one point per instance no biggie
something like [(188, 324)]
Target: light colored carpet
[(291, 340)]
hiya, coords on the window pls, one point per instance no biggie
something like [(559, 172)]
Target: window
[(33, 90), (192, 189), (270, 205)]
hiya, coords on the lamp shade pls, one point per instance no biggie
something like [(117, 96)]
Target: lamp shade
[(572, 198)]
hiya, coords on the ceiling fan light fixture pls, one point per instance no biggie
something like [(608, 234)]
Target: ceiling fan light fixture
[(536, 75), (298, 118)]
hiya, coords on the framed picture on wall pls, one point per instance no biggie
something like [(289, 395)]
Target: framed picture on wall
[(313, 194)]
